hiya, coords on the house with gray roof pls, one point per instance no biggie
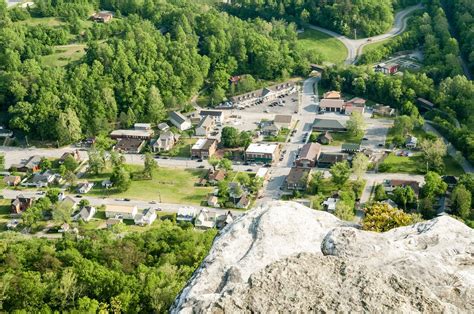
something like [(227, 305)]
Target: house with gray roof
[(179, 121), (322, 125)]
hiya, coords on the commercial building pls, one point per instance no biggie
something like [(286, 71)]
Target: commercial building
[(204, 148), (308, 156), (262, 152), (326, 160), (323, 125), (179, 121)]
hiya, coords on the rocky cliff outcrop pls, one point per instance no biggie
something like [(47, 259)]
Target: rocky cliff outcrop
[(286, 257)]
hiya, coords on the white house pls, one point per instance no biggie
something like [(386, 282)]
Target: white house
[(84, 187), (330, 204), (41, 180), (121, 211), (411, 142), (146, 218), (86, 213), (186, 214), (179, 121), (205, 220), (107, 184)]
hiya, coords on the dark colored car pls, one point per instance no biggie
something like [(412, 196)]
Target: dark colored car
[(199, 160)]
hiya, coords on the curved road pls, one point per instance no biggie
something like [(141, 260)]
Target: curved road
[(354, 46)]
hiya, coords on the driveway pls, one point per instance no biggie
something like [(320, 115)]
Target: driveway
[(355, 46)]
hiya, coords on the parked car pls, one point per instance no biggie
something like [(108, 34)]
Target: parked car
[(199, 160), (249, 170), (78, 196), (126, 199), (365, 139), (153, 202)]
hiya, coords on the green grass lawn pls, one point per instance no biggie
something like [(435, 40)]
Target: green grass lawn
[(48, 21), (331, 49), (181, 149), (373, 46), (173, 185), (415, 164), (281, 137), (339, 138), (63, 55)]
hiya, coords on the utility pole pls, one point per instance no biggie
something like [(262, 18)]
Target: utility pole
[(355, 33)]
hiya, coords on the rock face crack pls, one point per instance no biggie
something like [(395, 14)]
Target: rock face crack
[(284, 257)]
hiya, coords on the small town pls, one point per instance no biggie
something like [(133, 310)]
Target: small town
[(230, 156), (329, 152)]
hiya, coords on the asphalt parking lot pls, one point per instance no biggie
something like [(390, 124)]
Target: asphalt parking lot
[(284, 105)]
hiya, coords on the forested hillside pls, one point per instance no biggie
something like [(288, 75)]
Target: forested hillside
[(351, 18), (139, 273), (153, 58), (461, 14)]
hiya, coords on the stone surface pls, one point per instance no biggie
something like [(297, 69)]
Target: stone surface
[(286, 257)]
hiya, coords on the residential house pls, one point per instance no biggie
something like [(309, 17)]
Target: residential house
[(74, 154), (64, 228), (86, 213), (262, 152), (269, 129), (205, 126), (121, 211), (326, 160), (387, 68), (283, 121), (391, 185), (332, 125), (12, 180), (243, 202), (332, 95), (194, 117), (224, 220), (298, 179), (350, 148), (129, 145), (41, 180), (67, 202), (324, 138), (308, 156), (205, 220), (84, 187), (411, 142), (212, 201), (330, 204), (106, 184), (385, 111), (204, 148), (186, 214), (163, 126), (20, 204), (29, 165), (147, 217), (113, 222), (216, 176), (356, 104), (217, 115), (179, 121), (165, 142), (102, 16), (331, 105)]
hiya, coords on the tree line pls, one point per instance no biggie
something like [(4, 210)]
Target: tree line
[(101, 271), (351, 18), (151, 60)]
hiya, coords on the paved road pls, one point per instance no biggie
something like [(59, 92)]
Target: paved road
[(97, 201), (355, 46)]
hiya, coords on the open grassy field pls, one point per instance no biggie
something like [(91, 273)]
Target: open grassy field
[(172, 185), (415, 164), (373, 46), (181, 149), (63, 55), (331, 49), (48, 21)]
